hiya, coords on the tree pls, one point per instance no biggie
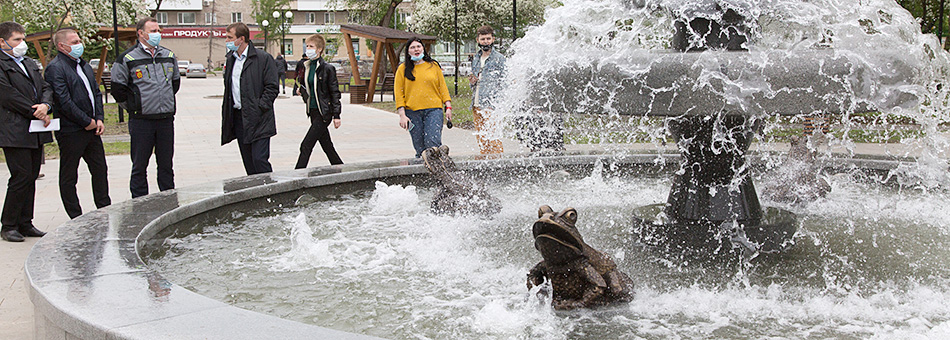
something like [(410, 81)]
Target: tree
[(264, 10), (437, 17), (373, 12), (928, 14), (85, 16)]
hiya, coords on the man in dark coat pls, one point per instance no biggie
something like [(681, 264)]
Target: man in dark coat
[(24, 96), (282, 72), (250, 88), (78, 105)]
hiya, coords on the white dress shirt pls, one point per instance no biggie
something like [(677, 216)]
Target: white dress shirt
[(236, 78), (85, 81)]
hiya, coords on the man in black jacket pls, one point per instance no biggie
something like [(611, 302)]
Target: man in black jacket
[(24, 96), (250, 88), (78, 105), (281, 72)]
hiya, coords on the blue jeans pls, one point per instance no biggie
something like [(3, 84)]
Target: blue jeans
[(426, 131)]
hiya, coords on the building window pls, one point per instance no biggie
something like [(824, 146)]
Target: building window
[(162, 18), (356, 47), (210, 18), (288, 47), (311, 18), (402, 18), (235, 17), (186, 18), (329, 18), (355, 17)]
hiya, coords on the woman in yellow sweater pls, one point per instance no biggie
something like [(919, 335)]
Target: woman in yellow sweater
[(420, 95)]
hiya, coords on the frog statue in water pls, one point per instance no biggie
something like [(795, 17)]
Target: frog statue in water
[(581, 276), (457, 193)]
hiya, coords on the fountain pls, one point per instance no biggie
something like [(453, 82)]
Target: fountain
[(716, 96), (356, 249)]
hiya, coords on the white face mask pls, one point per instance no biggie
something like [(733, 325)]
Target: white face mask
[(19, 50), (311, 53)]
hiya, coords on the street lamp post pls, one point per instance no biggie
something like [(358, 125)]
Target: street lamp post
[(265, 23), (288, 15)]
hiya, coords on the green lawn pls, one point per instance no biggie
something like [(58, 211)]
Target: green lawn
[(113, 127)]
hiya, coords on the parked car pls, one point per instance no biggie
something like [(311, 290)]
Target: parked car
[(292, 65), (196, 71), (448, 68), (183, 66), (465, 68)]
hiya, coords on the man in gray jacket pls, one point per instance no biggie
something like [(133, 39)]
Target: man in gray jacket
[(145, 80), (250, 88)]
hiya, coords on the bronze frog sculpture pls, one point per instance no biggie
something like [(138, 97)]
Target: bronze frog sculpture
[(457, 193), (581, 276)]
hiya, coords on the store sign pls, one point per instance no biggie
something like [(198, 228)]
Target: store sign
[(198, 32)]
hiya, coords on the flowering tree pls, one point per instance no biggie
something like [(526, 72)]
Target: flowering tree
[(437, 17), (373, 12), (86, 16)]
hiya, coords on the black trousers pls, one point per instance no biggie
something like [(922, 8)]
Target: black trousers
[(84, 145), (318, 132), (24, 166), (255, 154), (282, 77), (148, 135)]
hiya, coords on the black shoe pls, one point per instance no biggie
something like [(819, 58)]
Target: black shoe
[(30, 231), (11, 235)]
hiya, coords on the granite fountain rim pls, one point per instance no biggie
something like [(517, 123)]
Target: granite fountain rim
[(100, 267)]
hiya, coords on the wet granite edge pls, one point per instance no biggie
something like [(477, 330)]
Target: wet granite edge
[(120, 298)]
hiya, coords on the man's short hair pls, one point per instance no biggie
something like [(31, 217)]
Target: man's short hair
[(485, 30), (317, 41), (61, 35), (7, 28), (140, 25), (240, 30)]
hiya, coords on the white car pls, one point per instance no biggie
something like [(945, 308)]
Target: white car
[(196, 71), (183, 66)]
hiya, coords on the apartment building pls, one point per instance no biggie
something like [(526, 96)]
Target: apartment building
[(195, 29)]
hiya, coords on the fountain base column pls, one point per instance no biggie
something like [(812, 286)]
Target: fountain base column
[(713, 201)]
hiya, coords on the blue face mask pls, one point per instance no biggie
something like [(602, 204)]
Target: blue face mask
[(416, 58), (154, 39), (230, 46), (76, 51)]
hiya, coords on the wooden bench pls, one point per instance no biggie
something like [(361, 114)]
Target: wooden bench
[(107, 87), (343, 79), (389, 83)]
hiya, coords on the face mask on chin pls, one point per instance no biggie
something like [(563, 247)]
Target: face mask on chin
[(416, 57)]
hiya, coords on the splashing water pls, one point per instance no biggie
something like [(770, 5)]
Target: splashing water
[(589, 68), (867, 265)]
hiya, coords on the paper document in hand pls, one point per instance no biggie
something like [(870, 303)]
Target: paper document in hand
[(37, 125)]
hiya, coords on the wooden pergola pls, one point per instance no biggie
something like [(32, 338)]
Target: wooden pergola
[(105, 32), (385, 37)]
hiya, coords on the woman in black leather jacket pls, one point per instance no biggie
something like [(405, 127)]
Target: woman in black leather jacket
[(320, 90)]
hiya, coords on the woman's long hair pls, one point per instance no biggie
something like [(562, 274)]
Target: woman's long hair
[(410, 64)]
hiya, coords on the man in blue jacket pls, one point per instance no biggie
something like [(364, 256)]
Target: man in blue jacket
[(24, 97), (77, 103)]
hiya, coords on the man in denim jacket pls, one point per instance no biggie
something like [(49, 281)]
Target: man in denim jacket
[(488, 71)]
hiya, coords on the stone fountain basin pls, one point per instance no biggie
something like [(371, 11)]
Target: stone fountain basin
[(756, 83), (87, 279)]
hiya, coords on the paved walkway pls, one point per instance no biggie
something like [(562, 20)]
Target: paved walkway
[(367, 134)]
